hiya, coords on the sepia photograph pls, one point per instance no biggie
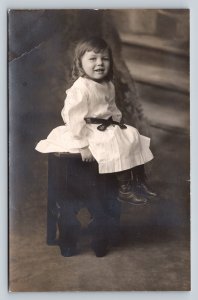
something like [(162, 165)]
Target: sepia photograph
[(99, 150)]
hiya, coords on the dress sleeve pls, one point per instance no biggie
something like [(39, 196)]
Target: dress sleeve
[(116, 113), (73, 113)]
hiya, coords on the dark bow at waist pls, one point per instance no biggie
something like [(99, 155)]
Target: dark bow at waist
[(104, 123)]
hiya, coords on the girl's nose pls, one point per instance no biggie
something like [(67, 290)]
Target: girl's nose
[(99, 61)]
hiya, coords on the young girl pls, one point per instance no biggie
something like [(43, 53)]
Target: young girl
[(92, 124)]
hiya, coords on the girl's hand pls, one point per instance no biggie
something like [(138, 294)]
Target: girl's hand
[(86, 155)]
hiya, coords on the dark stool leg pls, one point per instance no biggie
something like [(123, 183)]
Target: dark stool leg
[(53, 190), (62, 210), (98, 228), (99, 222), (105, 211), (68, 225), (111, 207), (69, 228)]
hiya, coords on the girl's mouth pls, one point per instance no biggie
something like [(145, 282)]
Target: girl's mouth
[(99, 70)]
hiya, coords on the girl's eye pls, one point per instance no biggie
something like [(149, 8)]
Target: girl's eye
[(92, 58), (105, 58)]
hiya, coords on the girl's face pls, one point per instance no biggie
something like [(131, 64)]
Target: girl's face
[(96, 65)]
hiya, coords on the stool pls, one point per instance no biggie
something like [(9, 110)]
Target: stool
[(73, 184)]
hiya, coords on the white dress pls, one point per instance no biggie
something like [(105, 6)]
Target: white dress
[(114, 149)]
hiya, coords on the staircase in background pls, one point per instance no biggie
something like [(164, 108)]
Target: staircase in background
[(156, 52), (155, 47)]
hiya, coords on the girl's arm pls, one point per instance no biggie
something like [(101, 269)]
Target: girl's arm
[(73, 113)]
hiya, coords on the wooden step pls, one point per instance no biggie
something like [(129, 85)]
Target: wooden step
[(156, 75), (165, 109), (176, 46), (156, 61)]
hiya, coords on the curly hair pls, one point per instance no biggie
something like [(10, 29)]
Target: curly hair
[(95, 44)]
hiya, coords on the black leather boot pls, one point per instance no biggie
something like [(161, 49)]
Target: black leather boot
[(126, 194), (139, 182)]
